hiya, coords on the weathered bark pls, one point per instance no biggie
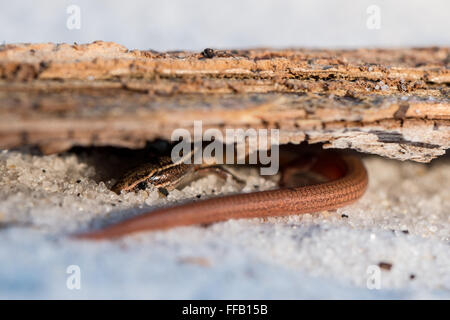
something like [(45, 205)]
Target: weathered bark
[(390, 102)]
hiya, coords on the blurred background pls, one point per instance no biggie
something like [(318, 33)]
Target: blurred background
[(196, 24)]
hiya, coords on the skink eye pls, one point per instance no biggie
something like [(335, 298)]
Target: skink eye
[(142, 186)]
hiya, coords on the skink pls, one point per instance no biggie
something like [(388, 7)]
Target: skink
[(346, 182)]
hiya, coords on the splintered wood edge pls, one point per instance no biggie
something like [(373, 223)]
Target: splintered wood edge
[(394, 103)]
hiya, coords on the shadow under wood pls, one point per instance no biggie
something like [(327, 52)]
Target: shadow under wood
[(112, 162)]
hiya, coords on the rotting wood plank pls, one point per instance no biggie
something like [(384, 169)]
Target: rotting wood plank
[(394, 103)]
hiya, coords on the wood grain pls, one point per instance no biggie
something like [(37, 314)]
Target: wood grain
[(394, 103)]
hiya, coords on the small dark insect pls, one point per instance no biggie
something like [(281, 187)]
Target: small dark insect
[(385, 265), (208, 53)]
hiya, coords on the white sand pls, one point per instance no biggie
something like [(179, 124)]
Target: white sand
[(403, 220)]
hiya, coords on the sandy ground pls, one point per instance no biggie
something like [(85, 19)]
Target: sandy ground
[(400, 229)]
